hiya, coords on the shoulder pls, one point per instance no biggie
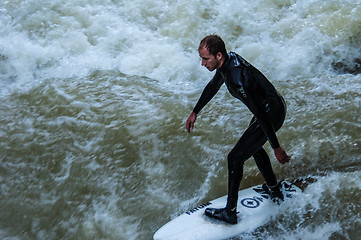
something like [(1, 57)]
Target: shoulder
[(236, 60)]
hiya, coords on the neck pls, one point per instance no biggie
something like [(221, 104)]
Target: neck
[(222, 61)]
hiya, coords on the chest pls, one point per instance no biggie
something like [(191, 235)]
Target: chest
[(235, 86)]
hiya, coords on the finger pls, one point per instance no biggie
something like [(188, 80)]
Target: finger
[(189, 126)]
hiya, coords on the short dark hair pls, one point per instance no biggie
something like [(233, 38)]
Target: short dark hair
[(214, 44)]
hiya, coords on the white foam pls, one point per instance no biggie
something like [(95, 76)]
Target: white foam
[(159, 40)]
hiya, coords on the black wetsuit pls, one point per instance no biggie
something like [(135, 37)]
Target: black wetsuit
[(250, 86)]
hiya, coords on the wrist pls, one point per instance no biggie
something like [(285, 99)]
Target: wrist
[(277, 148)]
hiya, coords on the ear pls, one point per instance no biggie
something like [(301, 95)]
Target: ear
[(219, 56)]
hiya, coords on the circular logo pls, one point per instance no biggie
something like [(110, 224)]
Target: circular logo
[(250, 202)]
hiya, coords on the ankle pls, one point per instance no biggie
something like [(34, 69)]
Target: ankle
[(231, 206), (274, 188)]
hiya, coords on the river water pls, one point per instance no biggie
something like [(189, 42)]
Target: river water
[(94, 95)]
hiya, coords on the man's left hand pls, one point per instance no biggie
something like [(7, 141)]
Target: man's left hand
[(281, 155)]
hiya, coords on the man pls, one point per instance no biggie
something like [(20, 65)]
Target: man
[(250, 86)]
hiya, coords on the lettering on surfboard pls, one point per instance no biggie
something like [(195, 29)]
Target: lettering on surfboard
[(198, 208)]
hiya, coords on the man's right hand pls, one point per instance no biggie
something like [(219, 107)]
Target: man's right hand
[(190, 121)]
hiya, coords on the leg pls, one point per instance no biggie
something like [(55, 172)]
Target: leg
[(264, 165), (250, 142)]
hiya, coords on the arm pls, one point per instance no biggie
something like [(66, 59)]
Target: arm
[(256, 96), (263, 119), (208, 93)]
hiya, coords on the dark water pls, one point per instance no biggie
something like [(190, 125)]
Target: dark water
[(95, 94)]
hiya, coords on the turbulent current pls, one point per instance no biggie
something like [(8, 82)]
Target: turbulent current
[(94, 95)]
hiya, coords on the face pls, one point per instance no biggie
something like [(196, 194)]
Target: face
[(210, 61)]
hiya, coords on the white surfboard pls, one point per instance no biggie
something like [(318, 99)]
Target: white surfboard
[(255, 208)]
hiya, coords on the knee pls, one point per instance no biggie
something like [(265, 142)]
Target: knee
[(260, 154), (235, 160)]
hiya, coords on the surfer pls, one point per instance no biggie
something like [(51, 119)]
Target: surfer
[(249, 85)]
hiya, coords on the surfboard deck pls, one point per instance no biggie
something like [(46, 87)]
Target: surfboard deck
[(255, 208)]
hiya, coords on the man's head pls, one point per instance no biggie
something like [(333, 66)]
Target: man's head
[(213, 52)]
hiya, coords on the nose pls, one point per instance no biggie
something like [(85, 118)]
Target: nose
[(203, 63)]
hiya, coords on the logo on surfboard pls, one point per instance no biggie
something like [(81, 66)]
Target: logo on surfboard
[(250, 202), (256, 201)]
